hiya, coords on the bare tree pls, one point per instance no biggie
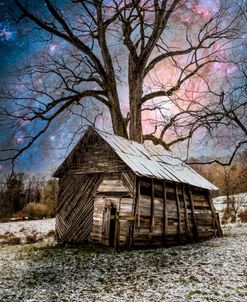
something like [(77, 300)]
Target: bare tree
[(12, 195), (111, 44), (223, 121)]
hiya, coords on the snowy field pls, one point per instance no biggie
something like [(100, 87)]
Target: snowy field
[(27, 231), (240, 202), (215, 270)]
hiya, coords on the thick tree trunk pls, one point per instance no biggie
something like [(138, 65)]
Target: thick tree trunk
[(118, 123), (135, 94)]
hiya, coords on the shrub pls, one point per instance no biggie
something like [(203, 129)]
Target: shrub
[(227, 216), (14, 240), (9, 238), (243, 215), (36, 210), (49, 195), (51, 233), (4, 219), (32, 238)]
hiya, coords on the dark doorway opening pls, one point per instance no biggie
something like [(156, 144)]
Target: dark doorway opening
[(112, 226)]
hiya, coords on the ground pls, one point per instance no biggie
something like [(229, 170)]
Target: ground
[(214, 270), (27, 231)]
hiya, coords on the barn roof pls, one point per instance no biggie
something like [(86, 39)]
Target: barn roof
[(150, 161)]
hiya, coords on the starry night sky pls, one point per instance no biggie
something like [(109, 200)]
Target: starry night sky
[(20, 44)]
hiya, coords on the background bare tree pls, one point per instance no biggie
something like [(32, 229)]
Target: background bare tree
[(25, 195), (12, 195), (220, 121), (109, 45)]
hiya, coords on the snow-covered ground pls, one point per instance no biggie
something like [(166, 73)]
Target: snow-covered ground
[(215, 270), (240, 200), (26, 231)]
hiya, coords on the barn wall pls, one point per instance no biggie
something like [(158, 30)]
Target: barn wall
[(164, 213), (186, 216), (116, 189), (75, 207)]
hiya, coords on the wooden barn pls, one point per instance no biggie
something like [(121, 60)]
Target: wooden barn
[(118, 192)]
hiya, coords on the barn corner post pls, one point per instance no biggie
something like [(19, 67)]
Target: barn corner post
[(152, 206), (215, 215), (136, 199), (179, 228), (187, 227), (165, 214), (117, 235)]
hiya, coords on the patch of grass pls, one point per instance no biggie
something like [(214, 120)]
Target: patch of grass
[(239, 225), (244, 287), (184, 281), (194, 279), (193, 293), (231, 235), (86, 248)]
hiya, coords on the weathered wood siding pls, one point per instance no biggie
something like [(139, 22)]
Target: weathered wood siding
[(165, 213), (117, 190), (95, 156), (74, 217), (178, 214)]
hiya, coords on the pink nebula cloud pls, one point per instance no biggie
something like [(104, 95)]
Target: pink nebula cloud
[(53, 47)]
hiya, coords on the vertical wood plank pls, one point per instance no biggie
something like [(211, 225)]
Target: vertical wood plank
[(117, 234), (139, 207), (186, 214), (135, 201), (215, 216), (152, 205), (165, 216), (195, 230), (179, 231)]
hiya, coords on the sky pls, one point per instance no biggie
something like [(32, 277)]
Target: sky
[(20, 44)]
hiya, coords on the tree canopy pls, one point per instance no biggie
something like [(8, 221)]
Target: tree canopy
[(154, 69)]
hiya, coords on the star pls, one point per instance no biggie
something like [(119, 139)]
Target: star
[(52, 138)]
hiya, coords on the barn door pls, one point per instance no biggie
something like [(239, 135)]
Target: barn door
[(109, 223), (112, 229)]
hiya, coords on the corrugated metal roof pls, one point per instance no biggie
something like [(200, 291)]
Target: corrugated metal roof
[(154, 161)]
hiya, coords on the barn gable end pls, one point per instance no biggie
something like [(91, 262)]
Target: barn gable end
[(91, 173), (91, 155)]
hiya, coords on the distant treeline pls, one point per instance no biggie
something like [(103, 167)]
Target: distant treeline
[(22, 195), (229, 179)]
